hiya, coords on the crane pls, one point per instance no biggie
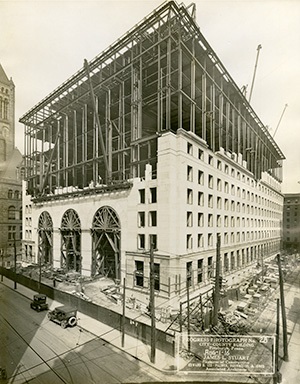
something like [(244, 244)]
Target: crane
[(255, 68), (280, 119)]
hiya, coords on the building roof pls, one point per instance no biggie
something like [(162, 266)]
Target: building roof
[(3, 78)]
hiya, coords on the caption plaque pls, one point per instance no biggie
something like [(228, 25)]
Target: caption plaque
[(225, 354)]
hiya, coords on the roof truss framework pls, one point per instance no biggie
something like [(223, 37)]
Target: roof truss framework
[(161, 75)]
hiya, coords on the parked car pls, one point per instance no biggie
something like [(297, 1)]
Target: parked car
[(39, 303), (64, 316)]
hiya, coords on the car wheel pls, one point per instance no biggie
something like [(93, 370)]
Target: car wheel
[(38, 308), (63, 324), (72, 321), (49, 315)]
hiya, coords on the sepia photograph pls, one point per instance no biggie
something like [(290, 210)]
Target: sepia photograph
[(149, 191)]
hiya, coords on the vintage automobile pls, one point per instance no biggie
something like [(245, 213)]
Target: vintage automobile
[(39, 303), (64, 316)]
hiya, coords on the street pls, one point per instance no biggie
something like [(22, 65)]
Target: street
[(36, 350)]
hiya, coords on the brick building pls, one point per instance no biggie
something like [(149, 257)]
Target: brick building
[(10, 180)]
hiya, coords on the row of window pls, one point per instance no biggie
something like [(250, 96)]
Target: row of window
[(228, 170), (152, 197), (14, 214), (139, 275), (13, 194), (12, 233), (227, 205), (152, 219), (28, 208), (227, 221), (231, 188), (142, 241), (230, 261), (234, 238)]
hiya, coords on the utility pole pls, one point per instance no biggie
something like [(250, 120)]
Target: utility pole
[(15, 263), (152, 303), (40, 263), (275, 377), (123, 314), (188, 313), (217, 282), (283, 313)]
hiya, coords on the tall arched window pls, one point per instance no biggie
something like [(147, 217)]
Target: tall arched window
[(10, 194), (5, 114)]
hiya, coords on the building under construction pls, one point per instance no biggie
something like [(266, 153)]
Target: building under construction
[(152, 142)]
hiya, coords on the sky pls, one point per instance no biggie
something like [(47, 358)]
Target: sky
[(43, 43)]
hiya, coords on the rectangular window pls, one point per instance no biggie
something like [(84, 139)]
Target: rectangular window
[(200, 240), (226, 187), (200, 198), (152, 219), (232, 260), (141, 241), (219, 203), (200, 177), (200, 154), (210, 267), (200, 271), (139, 273), (210, 181), (200, 219), (210, 201), (142, 196), (219, 185), (141, 219), (153, 195), (189, 219), (210, 220), (189, 196), (226, 262), (189, 148), (11, 232), (210, 239), (189, 241), (153, 238), (189, 273), (189, 173)]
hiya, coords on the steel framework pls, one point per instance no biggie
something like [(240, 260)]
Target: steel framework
[(71, 241), (45, 238), (100, 127)]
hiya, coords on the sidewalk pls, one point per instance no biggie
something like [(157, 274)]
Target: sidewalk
[(132, 346), (290, 370)]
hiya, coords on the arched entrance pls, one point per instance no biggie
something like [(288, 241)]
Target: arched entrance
[(71, 241), (45, 238), (106, 232)]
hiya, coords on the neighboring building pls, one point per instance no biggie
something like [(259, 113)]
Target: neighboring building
[(291, 222), (10, 178), (28, 248), (153, 141)]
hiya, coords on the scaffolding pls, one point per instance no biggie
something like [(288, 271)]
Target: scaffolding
[(100, 127)]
